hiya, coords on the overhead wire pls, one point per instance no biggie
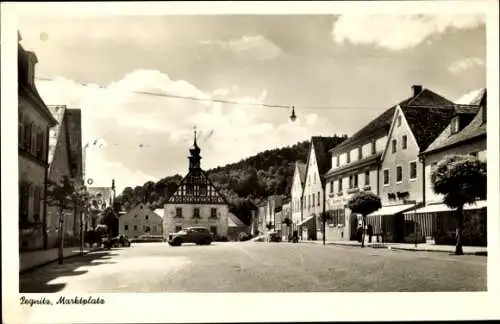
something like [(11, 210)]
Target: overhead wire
[(230, 102)]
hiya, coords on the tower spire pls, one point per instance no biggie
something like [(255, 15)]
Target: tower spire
[(194, 159)]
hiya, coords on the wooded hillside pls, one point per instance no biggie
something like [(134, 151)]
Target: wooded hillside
[(245, 183)]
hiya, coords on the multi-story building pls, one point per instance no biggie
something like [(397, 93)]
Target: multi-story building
[(382, 158), (196, 201), (286, 213), (318, 164), (354, 167), (34, 122), (261, 216), (464, 135), (65, 160), (140, 220), (296, 194), (415, 125)]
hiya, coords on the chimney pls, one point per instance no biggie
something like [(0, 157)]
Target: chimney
[(416, 90)]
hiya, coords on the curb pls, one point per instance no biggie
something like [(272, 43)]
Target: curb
[(479, 253), (43, 264)]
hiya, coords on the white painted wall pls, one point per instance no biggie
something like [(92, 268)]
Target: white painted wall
[(170, 221)]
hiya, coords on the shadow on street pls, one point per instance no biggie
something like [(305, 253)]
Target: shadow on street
[(38, 280)]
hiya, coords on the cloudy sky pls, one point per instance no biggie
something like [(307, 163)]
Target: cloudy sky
[(359, 65)]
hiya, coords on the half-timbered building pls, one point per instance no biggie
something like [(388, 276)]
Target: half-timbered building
[(196, 201)]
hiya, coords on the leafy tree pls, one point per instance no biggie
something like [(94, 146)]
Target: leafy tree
[(364, 203), (110, 219), (64, 194), (287, 221), (461, 179)]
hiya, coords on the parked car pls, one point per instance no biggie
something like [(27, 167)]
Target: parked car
[(147, 238), (118, 241), (196, 234)]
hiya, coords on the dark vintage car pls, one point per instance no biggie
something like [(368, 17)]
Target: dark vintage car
[(274, 237), (147, 238), (118, 241), (196, 234)]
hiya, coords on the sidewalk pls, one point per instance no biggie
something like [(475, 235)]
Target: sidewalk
[(474, 250), (31, 260)]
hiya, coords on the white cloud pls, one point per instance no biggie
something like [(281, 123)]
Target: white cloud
[(397, 32), (249, 47), (465, 64), (116, 116)]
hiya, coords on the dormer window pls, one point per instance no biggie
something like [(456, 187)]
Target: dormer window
[(374, 147), (455, 125), (348, 157), (360, 153), (399, 121), (338, 160)]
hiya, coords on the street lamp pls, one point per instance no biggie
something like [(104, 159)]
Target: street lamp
[(293, 117)]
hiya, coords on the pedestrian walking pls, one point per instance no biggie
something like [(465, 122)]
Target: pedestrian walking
[(370, 233)]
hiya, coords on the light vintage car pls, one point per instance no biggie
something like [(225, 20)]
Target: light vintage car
[(195, 234), (148, 238)]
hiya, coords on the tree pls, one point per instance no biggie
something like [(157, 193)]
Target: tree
[(461, 179), (364, 203), (110, 219), (64, 194)]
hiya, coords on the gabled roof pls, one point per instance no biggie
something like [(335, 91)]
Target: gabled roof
[(322, 146), (475, 129), (380, 123), (234, 221), (196, 177), (159, 211), (58, 112), (364, 162), (302, 171), (427, 115), (466, 109)]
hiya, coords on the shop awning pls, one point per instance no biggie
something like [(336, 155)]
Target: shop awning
[(305, 220), (435, 208), (391, 210)]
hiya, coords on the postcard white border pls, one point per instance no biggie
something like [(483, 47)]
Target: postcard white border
[(190, 307)]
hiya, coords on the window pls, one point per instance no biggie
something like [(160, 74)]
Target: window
[(404, 144), (356, 180), (95, 203), (367, 177), (314, 177), (312, 200), (331, 186), (348, 157), (394, 144), (353, 181), (340, 185), (141, 207), (213, 212), (147, 217), (474, 154), (374, 147), (413, 170), (36, 201), (135, 227), (386, 177), (178, 212), (454, 125), (399, 121), (196, 213), (319, 195), (126, 227), (213, 229), (399, 173), (338, 160), (360, 153)]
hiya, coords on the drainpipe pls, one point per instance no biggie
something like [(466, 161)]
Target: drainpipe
[(422, 160), (44, 222)]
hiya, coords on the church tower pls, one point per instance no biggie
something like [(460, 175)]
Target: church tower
[(195, 158)]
